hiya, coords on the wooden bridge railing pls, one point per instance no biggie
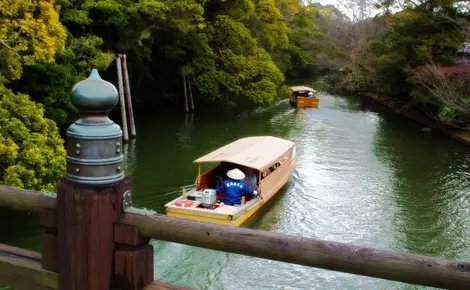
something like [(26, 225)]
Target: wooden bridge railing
[(92, 241), (133, 256)]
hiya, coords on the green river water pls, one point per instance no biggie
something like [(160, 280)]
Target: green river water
[(364, 176)]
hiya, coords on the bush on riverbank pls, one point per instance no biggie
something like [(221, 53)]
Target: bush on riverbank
[(32, 154), (445, 91), (31, 149)]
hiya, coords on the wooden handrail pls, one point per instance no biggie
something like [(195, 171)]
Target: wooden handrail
[(390, 265), (22, 270), (158, 285), (25, 200)]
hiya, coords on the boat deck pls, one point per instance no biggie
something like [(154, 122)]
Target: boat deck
[(223, 211)]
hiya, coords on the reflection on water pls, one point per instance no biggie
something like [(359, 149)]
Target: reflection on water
[(363, 176), (430, 190)]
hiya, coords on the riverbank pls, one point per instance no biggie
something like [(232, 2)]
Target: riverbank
[(402, 109)]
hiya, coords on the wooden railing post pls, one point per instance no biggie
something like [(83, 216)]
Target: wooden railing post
[(49, 258), (133, 259), (89, 197)]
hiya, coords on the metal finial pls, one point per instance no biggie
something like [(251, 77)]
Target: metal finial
[(94, 134)]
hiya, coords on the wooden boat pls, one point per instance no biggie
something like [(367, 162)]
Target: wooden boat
[(300, 97), (272, 160)]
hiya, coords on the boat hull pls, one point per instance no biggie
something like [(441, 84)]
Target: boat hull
[(302, 102), (270, 186)]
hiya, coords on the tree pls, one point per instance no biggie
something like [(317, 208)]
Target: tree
[(415, 37), (234, 68), (444, 93), (32, 155), (51, 83), (29, 31)]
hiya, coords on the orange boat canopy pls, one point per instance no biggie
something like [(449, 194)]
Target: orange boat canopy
[(254, 152)]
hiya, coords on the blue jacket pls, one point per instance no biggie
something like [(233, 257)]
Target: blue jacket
[(233, 191)]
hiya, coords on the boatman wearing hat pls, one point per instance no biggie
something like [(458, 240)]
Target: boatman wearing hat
[(234, 187)]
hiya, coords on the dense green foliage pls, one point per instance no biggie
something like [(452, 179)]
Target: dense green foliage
[(31, 149), (235, 52)]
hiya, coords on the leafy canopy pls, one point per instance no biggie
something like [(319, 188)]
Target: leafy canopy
[(29, 31), (32, 154)]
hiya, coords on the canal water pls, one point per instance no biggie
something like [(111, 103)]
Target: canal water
[(364, 176)]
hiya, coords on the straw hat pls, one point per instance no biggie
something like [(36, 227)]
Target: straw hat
[(236, 174)]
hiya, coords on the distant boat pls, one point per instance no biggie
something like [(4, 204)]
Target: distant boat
[(271, 158), (304, 97)]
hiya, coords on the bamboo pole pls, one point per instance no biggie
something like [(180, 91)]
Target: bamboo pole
[(190, 94), (128, 95), (379, 263), (125, 133), (185, 95)]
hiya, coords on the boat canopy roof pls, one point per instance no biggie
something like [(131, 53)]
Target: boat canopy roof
[(254, 152), (298, 89)]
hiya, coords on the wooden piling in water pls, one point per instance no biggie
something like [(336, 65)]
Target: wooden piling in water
[(128, 95), (121, 99), (190, 93), (185, 95)]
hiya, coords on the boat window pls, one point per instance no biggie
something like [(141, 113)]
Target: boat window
[(284, 158)]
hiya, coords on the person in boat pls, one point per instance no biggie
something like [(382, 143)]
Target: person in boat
[(251, 178), (310, 95), (234, 188), (220, 173)]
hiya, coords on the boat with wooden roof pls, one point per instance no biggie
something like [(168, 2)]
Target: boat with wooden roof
[(303, 96), (270, 158)]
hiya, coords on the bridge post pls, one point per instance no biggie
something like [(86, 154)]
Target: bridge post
[(90, 196)]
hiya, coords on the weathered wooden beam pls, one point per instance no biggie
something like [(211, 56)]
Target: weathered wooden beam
[(158, 285), (133, 259), (85, 217), (25, 200), (404, 267), (128, 235), (49, 247), (21, 269), (133, 267)]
